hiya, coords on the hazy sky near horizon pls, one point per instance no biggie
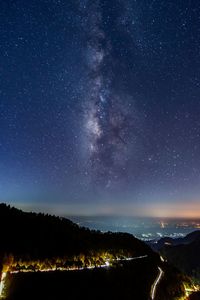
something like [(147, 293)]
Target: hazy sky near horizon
[(100, 106)]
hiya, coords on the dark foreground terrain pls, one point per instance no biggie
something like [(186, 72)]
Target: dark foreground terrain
[(132, 280), (37, 242)]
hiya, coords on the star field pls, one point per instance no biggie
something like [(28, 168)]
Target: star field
[(99, 105)]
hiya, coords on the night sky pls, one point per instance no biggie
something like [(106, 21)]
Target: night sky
[(100, 106)]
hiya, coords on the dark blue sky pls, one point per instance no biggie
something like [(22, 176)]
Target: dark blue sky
[(99, 106)]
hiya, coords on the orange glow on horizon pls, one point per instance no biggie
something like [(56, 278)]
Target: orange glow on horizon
[(190, 210)]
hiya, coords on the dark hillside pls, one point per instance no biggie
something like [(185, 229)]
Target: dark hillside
[(40, 236), (185, 257)]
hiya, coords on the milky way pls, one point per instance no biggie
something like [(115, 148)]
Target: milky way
[(110, 118), (99, 104)]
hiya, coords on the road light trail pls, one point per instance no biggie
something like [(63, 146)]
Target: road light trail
[(156, 282), (107, 264), (2, 283), (130, 258)]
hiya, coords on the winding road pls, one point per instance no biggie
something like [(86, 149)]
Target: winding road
[(156, 283), (2, 283)]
